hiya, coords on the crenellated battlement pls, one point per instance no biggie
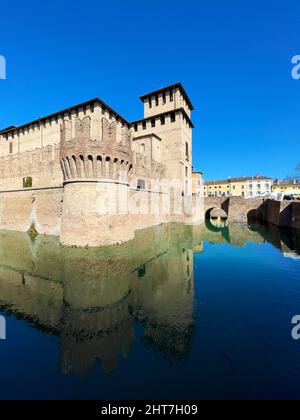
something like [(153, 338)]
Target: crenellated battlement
[(105, 157)]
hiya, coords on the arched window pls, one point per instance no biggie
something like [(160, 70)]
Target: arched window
[(143, 148)]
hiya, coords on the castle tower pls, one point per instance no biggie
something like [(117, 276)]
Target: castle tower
[(95, 154), (167, 114)]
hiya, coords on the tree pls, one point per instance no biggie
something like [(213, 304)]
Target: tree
[(295, 176)]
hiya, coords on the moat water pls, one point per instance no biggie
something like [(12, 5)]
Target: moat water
[(180, 312)]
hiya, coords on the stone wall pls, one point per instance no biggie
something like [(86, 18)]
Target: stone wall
[(41, 164), (41, 208)]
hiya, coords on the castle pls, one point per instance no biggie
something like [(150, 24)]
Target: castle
[(92, 178)]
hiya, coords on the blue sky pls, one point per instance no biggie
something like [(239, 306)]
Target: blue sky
[(233, 57)]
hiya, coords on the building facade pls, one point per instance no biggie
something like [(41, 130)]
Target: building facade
[(88, 175), (247, 187), (287, 187)]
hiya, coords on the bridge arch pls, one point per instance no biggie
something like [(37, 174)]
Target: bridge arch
[(254, 216), (217, 217)]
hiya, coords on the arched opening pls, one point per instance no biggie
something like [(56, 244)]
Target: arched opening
[(116, 168), (63, 167), (90, 167), (68, 168), (99, 167), (254, 217), (217, 217), (72, 167), (75, 166), (107, 167), (81, 167)]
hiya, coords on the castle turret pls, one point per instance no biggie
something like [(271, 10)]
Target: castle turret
[(167, 114), (95, 154)]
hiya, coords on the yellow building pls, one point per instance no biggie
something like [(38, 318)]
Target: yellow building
[(286, 187), (247, 187), (216, 188)]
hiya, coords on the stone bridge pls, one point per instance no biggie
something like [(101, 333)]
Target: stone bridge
[(285, 213)]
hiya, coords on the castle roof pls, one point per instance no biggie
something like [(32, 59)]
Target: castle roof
[(97, 101), (168, 88), (91, 102)]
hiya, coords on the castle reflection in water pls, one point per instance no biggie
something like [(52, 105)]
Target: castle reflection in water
[(92, 299)]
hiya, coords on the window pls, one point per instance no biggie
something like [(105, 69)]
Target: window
[(144, 125), (243, 187), (186, 171), (140, 184), (143, 148), (243, 194), (173, 117), (250, 186), (153, 122), (27, 182), (150, 103), (164, 98), (135, 127), (187, 150), (156, 100), (251, 193), (233, 187), (258, 186), (163, 120), (10, 148), (171, 96)]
